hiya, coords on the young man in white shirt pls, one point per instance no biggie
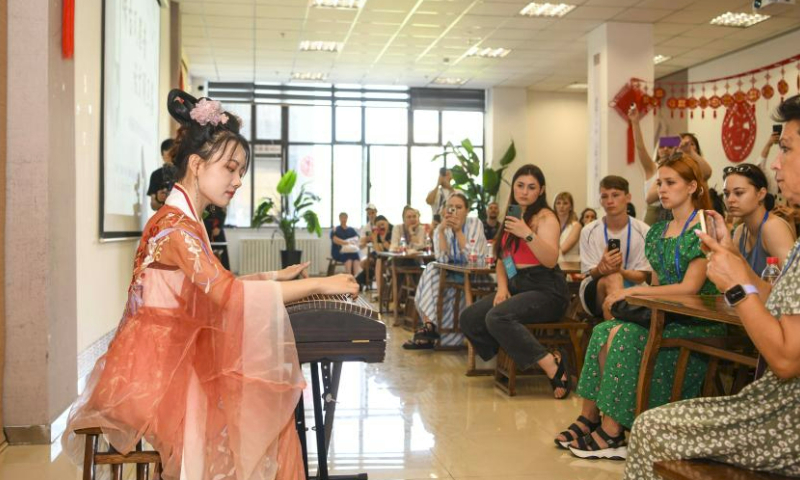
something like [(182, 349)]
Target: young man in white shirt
[(608, 271)]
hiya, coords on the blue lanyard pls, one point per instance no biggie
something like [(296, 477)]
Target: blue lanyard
[(627, 246), (677, 245)]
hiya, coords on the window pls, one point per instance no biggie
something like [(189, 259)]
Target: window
[(387, 180), (348, 196), (426, 126), (268, 122), (245, 112), (348, 124), (313, 166), (387, 125), (458, 125), (266, 171), (424, 174), (309, 124)]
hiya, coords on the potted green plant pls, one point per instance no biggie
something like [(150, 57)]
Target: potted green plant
[(468, 170), (288, 215)]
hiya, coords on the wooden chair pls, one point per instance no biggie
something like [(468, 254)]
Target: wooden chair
[(564, 335), (93, 457), (333, 265), (708, 470)]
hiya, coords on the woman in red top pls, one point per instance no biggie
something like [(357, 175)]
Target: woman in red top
[(530, 286)]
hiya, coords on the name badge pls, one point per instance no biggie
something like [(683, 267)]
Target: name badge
[(511, 269)]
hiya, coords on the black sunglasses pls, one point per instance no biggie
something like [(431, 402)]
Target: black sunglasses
[(745, 168)]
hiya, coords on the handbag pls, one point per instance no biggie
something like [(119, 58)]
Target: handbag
[(640, 315)]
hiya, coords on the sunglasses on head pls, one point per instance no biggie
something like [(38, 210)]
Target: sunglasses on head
[(745, 168), (671, 158)]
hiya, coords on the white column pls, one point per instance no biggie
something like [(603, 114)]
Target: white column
[(506, 120), (617, 52)]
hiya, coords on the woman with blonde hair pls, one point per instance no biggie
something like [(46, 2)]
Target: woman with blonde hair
[(569, 241)]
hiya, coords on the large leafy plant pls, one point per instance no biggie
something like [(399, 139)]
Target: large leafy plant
[(469, 169), (290, 212)]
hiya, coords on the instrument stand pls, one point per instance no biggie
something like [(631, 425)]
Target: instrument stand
[(323, 425)]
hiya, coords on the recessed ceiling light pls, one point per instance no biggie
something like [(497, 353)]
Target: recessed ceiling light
[(314, 76), (660, 59), (488, 52), (534, 9), (578, 86), (319, 46), (741, 20), (449, 81), (343, 4)]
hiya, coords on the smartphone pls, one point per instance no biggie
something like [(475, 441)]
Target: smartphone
[(437, 218), (451, 210), (614, 244), (777, 128), (669, 142), (515, 211), (707, 226), (443, 171)]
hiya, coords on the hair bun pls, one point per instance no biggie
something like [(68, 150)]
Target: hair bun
[(180, 105)]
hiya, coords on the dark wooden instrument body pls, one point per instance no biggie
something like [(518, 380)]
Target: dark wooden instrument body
[(330, 328)]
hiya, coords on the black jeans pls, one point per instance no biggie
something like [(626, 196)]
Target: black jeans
[(539, 295)]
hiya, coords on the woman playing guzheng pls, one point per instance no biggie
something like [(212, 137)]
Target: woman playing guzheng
[(203, 364)]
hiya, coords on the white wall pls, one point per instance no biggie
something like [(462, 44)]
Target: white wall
[(709, 130), (558, 133)]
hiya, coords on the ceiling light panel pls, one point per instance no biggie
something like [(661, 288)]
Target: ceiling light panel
[(534, 9), (341, 4), (660, 59), (739, 20), (311, 76), (449, 81), (488, 52), (320, 46)]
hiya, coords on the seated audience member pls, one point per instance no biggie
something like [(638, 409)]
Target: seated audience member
[(569, 241), (411, 231), (689, 145), (344, 246), (756, 429), (451, 240), (381, 239), (761, 234), (610, 271), (530, 286), (588, 215), (608, 381), (162, 178), (492, 224)]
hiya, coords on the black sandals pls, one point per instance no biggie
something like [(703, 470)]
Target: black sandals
[(574, 432)]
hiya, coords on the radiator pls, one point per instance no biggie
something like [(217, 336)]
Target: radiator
[(264, 254)]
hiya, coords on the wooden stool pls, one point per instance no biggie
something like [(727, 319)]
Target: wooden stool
[(553, 335), (708, 470), (333, 265), (141, 458)]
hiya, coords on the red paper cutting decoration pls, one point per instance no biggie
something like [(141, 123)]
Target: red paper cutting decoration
[(739, 131), (630, 94)]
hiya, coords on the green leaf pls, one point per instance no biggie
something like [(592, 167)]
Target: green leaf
[(460, 177), (312, 223), (286, 184), (491, 181), (510, 155), (467, 145)]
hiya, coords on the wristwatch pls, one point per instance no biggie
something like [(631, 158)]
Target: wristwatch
[(737, 293), (529, 238)]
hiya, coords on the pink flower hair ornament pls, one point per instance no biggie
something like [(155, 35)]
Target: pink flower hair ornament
[(209, 111)]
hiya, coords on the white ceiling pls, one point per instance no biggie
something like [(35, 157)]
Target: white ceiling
[(412, 42)]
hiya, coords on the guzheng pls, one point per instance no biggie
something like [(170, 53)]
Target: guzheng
[(337, 328)]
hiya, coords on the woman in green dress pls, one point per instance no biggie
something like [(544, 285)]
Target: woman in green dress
[(611, 369), (758, 428)]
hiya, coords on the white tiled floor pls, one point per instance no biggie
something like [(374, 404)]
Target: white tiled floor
[(417, 416)]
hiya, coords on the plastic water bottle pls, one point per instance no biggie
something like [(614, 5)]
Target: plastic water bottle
[(403, 245), (428, 245), (472, 252), (772, 271)]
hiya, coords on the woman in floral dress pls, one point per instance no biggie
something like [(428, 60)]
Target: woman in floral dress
[(610, 374)]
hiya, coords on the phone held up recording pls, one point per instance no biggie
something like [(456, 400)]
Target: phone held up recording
[(707, 226), (515, 211)]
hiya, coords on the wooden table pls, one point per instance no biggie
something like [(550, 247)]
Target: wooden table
[(390, 258), (707, 307), (570, 267), (470, 291)]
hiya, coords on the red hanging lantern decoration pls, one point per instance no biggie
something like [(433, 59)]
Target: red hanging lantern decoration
[(783, 86), (739, 131), (715, 102), (629, 95), (703, 102)]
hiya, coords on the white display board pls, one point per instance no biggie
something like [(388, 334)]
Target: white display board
[(130, 148)]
